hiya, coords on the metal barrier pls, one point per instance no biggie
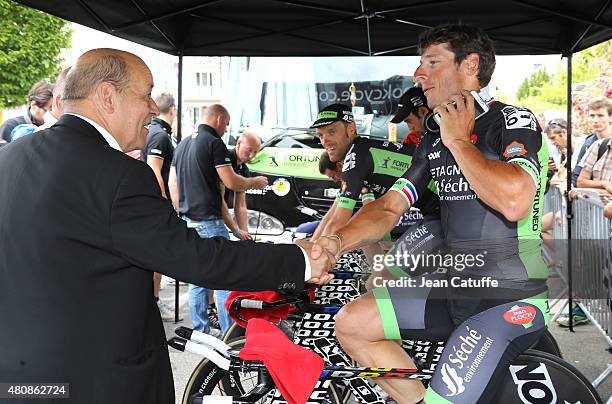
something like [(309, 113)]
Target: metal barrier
[(554, 252), (591, 259), (592, 265)]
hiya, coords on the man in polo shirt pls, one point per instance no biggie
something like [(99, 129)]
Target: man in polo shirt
[(201, 162), (158, 153), (412, 109), (247, 146)]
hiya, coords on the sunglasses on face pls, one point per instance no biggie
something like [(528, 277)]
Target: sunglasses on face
[(556, 123)]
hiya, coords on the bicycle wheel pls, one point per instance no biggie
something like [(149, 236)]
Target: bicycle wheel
[(234, 332), (537, 377), (208, 379), (548, 344)]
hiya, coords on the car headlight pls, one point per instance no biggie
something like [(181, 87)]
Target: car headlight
[(262, 223)]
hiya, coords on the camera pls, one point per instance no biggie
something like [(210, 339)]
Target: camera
[(432, 120)]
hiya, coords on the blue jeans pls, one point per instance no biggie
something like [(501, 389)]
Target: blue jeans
[(198, 296), (225, 321)]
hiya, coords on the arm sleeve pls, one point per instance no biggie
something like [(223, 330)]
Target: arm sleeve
[(416, 179), (158, 145), (220, 154), (522, 142), (147, 233)]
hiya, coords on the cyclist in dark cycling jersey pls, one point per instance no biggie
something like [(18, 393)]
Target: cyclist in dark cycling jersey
[(491, 303), (369, 164)]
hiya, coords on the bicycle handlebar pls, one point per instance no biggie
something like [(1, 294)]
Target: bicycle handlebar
[(202, 338), (204, 350), (251, 304)]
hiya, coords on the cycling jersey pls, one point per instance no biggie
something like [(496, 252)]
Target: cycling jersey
[(376, 165), (511, 251)]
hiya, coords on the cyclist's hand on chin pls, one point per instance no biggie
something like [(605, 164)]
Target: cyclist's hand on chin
[(320, 263), (457, 118)]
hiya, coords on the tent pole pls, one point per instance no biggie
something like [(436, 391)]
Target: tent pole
[(179, 135), (569, 188)]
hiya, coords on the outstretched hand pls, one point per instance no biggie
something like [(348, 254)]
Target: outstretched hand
[(326, 244), (321, 263)]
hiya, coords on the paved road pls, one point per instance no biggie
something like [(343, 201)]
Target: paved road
[(585, 348)]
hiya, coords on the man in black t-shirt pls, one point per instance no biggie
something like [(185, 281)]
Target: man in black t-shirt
[(247, 146), (201, 162), (157, 153)]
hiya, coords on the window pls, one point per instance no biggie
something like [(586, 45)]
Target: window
[(204, 79)]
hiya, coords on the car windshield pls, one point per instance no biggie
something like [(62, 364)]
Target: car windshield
[(298, 138)]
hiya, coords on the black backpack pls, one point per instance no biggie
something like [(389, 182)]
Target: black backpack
[(602, 148)]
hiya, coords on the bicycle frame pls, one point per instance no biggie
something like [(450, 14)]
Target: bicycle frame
[(233, 363)]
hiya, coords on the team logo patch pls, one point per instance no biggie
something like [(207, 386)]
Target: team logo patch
[(281, 186), (349, 161), (515, 149), (453, 381), (519, 118), (327, 114), (520, 315)]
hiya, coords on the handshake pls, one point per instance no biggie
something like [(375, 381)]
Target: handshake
[(322, 255)]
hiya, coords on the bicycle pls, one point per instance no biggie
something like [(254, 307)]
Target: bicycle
[(546, 371), (533, 377)]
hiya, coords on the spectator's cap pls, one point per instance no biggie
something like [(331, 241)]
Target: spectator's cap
[(558, 123), (410, 102), (333, 113)]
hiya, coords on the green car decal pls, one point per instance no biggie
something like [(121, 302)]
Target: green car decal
[(296, 162)]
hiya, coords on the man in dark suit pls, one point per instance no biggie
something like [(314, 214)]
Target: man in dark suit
[(84, 227)]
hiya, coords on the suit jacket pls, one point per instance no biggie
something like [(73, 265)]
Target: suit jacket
[(83, 228)]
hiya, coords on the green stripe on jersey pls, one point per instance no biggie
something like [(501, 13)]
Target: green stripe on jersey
[(431, 397), (345, 203), (529, 228), (368, 196), (541, 302), (387, 313), (529, 167)]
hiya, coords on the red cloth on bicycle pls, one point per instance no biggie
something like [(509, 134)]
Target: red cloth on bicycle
[(274, 315), (294, 369)]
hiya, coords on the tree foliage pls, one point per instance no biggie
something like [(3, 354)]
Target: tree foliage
[(591, 77), (30, 45)]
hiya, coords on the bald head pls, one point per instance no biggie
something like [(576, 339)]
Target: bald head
[(215, 110), (95, 67), (247, 146), (112, 88), (217, 117)]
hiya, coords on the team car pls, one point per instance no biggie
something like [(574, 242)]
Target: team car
[(296, 191)]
